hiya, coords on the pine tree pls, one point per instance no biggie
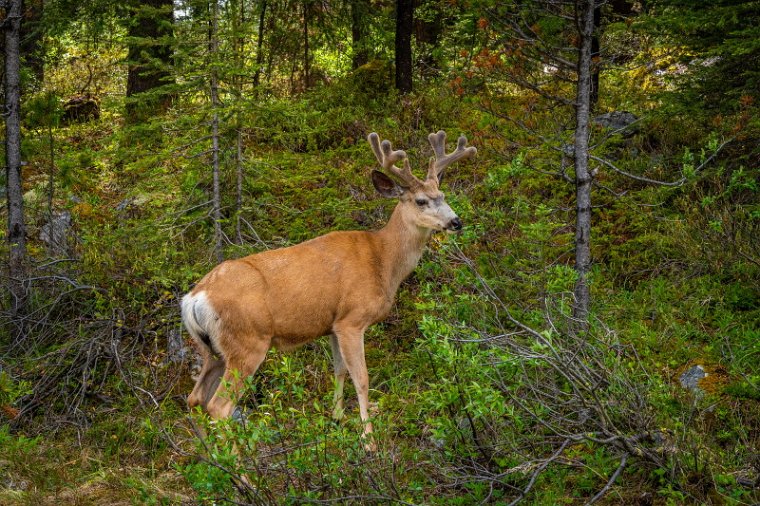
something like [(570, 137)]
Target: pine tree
[(546, 47), (723, 42), (149, 58), (360, 11)]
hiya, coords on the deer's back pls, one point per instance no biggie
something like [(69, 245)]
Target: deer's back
[(296, 294)]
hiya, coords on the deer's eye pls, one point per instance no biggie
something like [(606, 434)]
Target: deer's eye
[(421, 202)]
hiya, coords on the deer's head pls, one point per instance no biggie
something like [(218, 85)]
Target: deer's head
[(422, 202)]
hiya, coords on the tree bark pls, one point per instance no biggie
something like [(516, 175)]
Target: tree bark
[(214, 82), (148, 32), (238, 24), (404, 29), (260, 48), (582, 175), (306, 13), (240, 173), (428, 32), (595, 57), (360, 9), (16, 226), (51, 173)]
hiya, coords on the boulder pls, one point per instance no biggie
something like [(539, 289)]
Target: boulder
[(177, 352), (691, 377), (622, 122), (55, 233)]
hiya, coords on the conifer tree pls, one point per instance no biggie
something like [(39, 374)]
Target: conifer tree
[(149, 30), (360, 11), (723, 57), (552, 49), (542, 45)]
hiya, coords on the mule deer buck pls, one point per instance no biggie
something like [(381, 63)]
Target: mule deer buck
[(337, 284)]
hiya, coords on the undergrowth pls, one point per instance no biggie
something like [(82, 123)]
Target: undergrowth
[(483, 391)]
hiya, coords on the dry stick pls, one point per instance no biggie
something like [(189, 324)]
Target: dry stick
[(538, 471), (644, 179), (255, 234), (239, 188), (347, 498), (574, 378), (629, 444), (52, 305), (485, 339), (611, 481)]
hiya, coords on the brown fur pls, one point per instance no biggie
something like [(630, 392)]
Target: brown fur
[(339, 284)]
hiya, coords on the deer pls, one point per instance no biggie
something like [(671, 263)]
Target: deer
[(338, 284)]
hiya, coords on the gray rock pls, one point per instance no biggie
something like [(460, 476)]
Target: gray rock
[(55, 233), (622, 122), (240, 415), (690, 378), (176, 350), (130, 206), (125, 204)]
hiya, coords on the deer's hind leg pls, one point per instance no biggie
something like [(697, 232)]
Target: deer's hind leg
[(239, 364), (208, 378), (341, 371)]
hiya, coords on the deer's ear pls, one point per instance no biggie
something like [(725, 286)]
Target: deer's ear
[(386, 186)]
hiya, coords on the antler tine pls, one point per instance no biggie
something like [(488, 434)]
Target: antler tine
[(388, 157), (442, 160)]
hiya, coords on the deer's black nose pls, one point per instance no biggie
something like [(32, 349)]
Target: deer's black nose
[(455, 224)]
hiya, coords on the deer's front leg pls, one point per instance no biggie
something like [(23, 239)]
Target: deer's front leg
[(351, 345)]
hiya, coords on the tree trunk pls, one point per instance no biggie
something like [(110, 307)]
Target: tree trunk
[(238, 23), (31, 40), (16, 227), (306, 13), (595, 57), (428, 32), (237, 20), (51, 174), (360, 9), (404, 28), (582, 174), (214, 78), (240, 172), (260, 48), (148, 31)]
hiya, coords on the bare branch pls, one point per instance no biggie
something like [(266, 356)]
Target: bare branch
[(644, 179), (539, 470), (611, 481)]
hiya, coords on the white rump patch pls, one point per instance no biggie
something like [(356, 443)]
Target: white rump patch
[(199, 317)]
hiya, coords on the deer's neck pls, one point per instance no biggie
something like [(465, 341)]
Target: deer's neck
[(403, 244)]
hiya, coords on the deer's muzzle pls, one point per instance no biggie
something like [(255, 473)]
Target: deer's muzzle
[(455, 224)]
